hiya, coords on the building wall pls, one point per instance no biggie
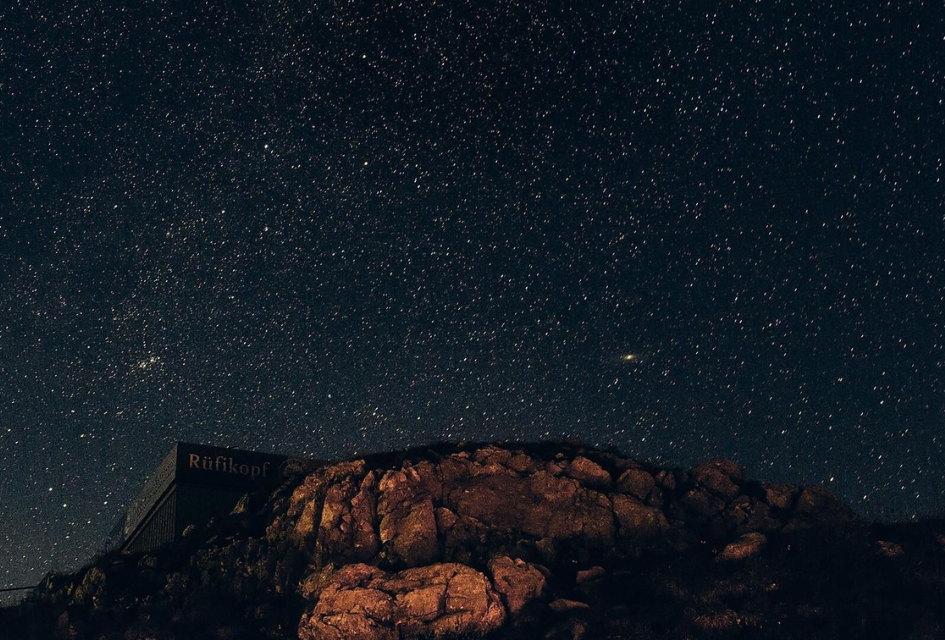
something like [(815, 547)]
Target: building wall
[(193, 484), (153, 491), (159, 528)]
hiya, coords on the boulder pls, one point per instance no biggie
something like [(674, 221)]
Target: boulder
[(759, 519), (637, 483), (459, 533), (590, 576), (440, 521), (889, 549), (564, 605), (817, 506), (780, 496), (492, 456), (719, 476), (356, 612), (746, 546), (434, 601), (588, 472), (591, 582), (666, 479), (702, 503), (407, 523), (443, 599), (521, 463), (637, 520), (518, 582)]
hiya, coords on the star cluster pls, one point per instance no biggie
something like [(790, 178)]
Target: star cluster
[(332, 228)]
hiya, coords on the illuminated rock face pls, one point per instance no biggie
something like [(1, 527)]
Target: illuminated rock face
[(484, 526), (467, 541), (360, 601)]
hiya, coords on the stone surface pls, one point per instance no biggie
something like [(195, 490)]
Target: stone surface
[(815, 506), (563, 605), (518, 582), (431, 602), (759, 519), (889, 549), (780, 496), (304, 505), (587, 576), (459, 533), (407, 522), (666, 479), (424, 516), (747, 546), (348, 521), (719, 477), (588, 472), (637, 483), (700, 502), (637, 520), (540, 505)]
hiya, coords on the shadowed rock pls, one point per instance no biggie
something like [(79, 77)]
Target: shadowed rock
[(637, 483), (719, 477), (815, 506), (781, 496)]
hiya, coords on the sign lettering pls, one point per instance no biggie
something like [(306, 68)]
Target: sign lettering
[(226, 464)]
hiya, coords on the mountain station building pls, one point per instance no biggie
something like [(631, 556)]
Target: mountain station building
[(193, 484)]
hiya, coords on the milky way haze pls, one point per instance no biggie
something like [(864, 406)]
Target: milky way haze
[(330, 228)]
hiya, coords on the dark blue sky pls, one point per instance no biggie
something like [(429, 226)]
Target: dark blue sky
[(333, 228)]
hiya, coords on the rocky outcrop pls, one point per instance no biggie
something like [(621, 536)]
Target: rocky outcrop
[(529, 540), (485, 526), (421, 513)]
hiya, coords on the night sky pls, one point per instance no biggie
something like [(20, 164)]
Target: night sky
[(684, 229)]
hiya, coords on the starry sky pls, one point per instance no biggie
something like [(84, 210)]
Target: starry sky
[(684, 229)]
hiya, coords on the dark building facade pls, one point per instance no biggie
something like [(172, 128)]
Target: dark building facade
[(193, 484)]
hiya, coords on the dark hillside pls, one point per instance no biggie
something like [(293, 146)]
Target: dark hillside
[(514, 541)]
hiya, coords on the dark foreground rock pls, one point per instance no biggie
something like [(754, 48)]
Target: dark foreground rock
[(514, 541)]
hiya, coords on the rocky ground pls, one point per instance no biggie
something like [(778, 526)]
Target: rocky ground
[(514, 541)]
